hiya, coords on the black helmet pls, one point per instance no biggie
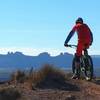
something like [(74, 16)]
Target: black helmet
[(79, 20)]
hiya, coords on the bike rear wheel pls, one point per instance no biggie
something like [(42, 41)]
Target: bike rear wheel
[(88, 67)]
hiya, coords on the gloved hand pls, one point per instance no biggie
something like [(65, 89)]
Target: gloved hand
[(66, 45)]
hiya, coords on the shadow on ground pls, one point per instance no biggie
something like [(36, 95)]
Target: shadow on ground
[(54, 82)]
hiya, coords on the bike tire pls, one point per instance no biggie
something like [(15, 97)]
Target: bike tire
[(89, 67)]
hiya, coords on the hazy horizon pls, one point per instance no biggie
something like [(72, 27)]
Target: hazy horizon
[(36, 52)]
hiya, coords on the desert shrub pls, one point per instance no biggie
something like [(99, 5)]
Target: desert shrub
[(18, 76), (9, 94), (47, 74)]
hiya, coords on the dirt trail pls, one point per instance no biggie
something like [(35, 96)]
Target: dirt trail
[(51, 89), (83, 90)]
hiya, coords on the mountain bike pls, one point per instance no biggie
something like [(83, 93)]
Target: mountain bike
[(86, 65)]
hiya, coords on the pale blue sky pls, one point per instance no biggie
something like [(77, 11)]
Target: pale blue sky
[(44, 24)]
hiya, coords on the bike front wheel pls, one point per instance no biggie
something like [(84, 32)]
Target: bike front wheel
[(75, 70)]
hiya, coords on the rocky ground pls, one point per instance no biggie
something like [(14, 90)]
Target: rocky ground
[(48, 83), (70, 90)]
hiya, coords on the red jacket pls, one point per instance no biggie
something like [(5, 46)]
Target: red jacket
[(84, 33)]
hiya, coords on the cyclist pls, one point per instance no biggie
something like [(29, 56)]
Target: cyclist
[(85, 39)]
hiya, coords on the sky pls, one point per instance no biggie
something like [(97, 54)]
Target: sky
[(34, 26)]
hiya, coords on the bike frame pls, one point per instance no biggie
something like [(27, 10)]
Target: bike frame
[(84, 53)]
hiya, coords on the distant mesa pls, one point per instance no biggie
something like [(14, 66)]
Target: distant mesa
[(44, 54), (16, 53), (19, 60)]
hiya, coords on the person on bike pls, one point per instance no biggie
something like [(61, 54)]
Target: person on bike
[(85, 39)]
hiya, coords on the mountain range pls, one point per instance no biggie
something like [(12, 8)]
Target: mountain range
[(19, 60)]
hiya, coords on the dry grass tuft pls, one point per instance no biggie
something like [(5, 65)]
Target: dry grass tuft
[(18, 76), (48, 74)]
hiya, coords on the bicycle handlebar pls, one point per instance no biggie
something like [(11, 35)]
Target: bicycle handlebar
[(69, 45)]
